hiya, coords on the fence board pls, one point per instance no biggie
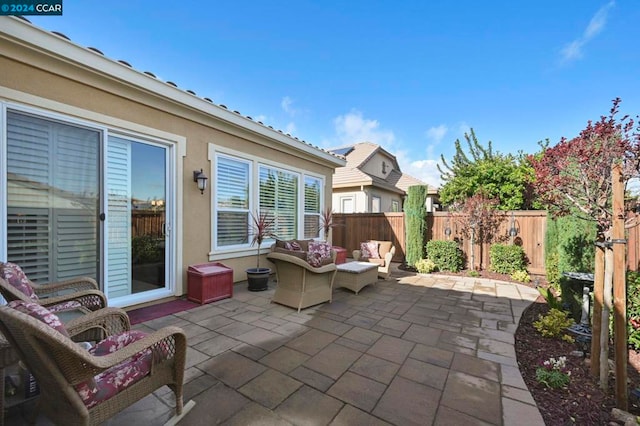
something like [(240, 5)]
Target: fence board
[(531, 226), (354, 228)]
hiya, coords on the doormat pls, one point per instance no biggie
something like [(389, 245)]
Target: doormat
[(148, 313)]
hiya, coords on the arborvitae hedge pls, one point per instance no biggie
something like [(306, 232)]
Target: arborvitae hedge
[(416, 220)]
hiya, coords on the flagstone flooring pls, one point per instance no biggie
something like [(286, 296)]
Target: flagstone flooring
[(411, 350)]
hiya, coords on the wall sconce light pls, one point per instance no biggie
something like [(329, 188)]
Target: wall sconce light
[(513, 231), (201, 179), (447, 229)]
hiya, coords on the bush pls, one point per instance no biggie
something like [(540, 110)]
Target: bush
[(445, 254), (553, 324), (425, 266), (571, 295), (507, 258), (633, 309), (553, 373), (415, 213), (521, 276)]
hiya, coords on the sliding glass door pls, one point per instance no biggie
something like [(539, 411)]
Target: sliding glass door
[(81, 201), (53, 198), (137, 211)]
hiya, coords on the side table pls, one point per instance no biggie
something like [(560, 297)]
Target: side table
[(341, 254)]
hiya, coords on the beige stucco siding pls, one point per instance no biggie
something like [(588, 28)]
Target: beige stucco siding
[(32, 78)]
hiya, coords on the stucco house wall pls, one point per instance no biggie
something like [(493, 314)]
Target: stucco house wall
[(47, 75)]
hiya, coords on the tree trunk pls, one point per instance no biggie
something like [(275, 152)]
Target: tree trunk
[(606, 310), (598, 290)]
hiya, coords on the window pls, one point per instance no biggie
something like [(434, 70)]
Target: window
[(395, 206), (312, 201), (244, 186), (232, 201), (347, 205), (279, 195), (375, 204)]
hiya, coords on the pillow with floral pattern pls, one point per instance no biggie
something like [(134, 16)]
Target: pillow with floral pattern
[(40, 313), (15, 276), (369, 250)]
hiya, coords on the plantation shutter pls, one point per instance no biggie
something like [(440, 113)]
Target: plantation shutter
[(232, 202), (311, 207), (119, 217), (279, 196), (52, 199)]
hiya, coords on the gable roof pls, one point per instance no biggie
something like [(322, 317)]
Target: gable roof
[(21, 31), (357, 156)]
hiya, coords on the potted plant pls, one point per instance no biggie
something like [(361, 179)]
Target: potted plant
[(261, 227), (326, 222)]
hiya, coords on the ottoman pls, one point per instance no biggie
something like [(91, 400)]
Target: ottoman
[(355, 275)]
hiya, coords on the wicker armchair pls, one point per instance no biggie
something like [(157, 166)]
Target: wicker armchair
[(75, 294), (83, 387), (386, 251), (301, 285)]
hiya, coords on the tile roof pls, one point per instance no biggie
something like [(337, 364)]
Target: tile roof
[(357, 156), (149, 74)]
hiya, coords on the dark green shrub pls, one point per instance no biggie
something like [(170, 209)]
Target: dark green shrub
[(415, 214), (633, 309), (445, 254), (506, 259), (145, 249)]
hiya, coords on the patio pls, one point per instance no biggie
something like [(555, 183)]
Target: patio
[(414, 349)]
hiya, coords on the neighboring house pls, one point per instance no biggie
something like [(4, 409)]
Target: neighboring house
[(97, 163), (372, 182)]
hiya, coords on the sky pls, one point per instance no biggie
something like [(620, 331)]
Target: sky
[(411, 76)]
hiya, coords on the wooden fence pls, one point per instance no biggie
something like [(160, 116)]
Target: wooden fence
[(358, 227), (145, 222), (530, 225), (354, 228)]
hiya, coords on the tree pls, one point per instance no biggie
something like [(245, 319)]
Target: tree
[(415, 212), (575, 177), (506, 178), (478, 220)]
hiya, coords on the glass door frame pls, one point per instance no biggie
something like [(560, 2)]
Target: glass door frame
[(169, 288), (173, 149)]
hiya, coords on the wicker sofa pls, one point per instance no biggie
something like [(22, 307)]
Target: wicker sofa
[(386, 250), (301, 285)]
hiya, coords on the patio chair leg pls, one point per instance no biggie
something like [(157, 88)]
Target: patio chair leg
[(175, 419)]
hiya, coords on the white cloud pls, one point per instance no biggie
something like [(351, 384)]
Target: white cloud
[(287, 106), (290, 129), (436, 134), (574, 50), (425, 170), (261, 118), (354, 128)]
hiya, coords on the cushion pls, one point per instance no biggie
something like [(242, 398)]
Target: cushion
[(297, 253), (112, 381), (304, 244), (379, 262), (16, 277), (40, 313), (384, 247), (69, 305), (369, 250), (318, 254), (292, 245)]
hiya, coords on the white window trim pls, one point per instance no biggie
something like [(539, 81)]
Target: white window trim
[(218, 253)]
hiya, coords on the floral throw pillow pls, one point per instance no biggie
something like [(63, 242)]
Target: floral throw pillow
[(15, 276), (293, 246), (369, 250), (319, 253), (40, 313)]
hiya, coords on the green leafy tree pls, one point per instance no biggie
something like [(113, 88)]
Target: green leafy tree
[(507, 178), (415, 212)]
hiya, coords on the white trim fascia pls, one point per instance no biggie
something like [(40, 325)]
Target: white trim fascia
[(45, 42)]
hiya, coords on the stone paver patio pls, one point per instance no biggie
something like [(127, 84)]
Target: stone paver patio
[(412, 350)]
